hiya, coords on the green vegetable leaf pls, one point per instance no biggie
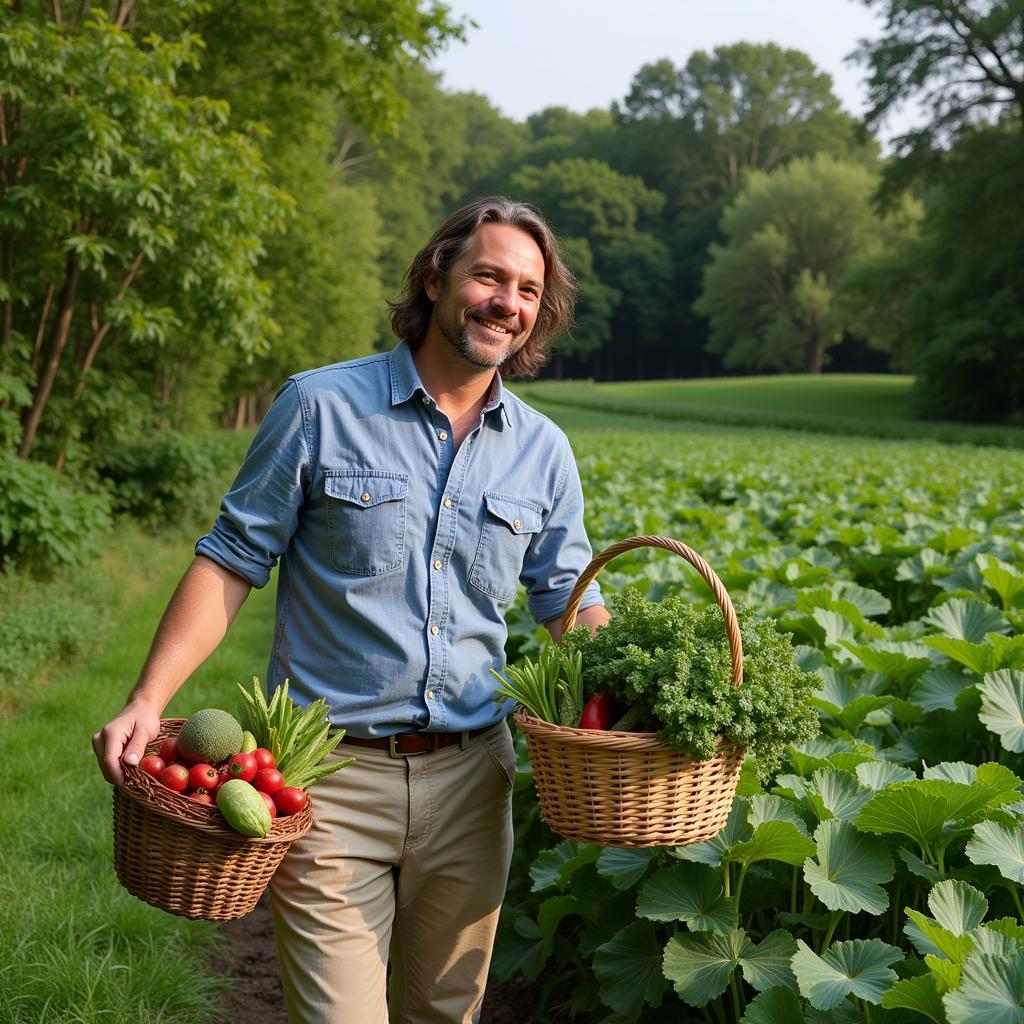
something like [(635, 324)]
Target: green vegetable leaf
[(921, 994), (904, 809), (557, 866), (957, 906), (976, 657), (900, 661), (918, 866), (877, 775), (850, 869), (966, 619), (778, 1005), (774, 840), (1002, 707), (713, 851), (930, 938), (766, 807), (939, 688), (999, 846), (691, 893), (623, 866), (836, 794), (991, 991), (860, 967), (629, 969), (1004, 579)]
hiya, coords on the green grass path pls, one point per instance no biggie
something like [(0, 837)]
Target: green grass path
[(75, 946)]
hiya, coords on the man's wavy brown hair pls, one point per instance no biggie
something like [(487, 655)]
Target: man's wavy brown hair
[(410, 315)]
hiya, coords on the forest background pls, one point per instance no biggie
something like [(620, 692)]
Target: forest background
[(199, 198)]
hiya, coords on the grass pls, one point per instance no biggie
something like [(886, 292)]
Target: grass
[(74, 946), (867, 405)]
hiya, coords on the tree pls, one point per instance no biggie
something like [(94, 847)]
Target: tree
[(963, 62), (770, 291), (129, 215)]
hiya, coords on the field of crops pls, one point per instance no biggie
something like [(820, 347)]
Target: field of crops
[(878, 877)]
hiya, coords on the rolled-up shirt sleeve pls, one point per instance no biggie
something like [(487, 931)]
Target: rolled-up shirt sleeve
[(559, 552), (260, 512)]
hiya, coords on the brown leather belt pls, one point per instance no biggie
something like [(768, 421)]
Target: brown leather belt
[(405, 744)]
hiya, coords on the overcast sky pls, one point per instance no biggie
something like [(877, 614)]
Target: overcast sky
[(530, 54)]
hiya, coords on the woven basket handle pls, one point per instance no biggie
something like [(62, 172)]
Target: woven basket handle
[(732, 627)]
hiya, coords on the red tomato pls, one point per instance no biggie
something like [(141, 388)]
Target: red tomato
[(222, 776), (202, 797), (203, 776), (290, 800), (175, 776), (152, 764), (169, 749), (264, 758), (242, 766), (271, 806), (598, 712), (268, 780)]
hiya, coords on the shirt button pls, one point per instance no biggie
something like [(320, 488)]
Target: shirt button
[(425, 399), (516, 523), (435, 630), (443, 434), (437, 563), (447, 502), (430, 694), (365, 496)]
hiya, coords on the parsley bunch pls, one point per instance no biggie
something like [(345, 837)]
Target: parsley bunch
[(670, 661)]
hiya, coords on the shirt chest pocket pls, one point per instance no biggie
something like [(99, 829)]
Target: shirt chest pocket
[(509, 525), (366, 514)]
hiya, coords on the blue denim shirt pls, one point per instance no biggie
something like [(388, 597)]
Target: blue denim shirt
[(399, 553)]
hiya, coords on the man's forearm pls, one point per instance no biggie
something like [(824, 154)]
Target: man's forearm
[(198, 615), (594, 616)]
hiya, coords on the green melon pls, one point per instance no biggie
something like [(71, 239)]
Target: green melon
[(209, 736), (243, 808)]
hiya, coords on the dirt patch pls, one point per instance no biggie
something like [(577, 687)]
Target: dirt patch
[(249, 958)]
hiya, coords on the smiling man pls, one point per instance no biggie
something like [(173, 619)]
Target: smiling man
[(406, 495)]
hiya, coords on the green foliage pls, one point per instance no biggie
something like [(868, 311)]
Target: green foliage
[(672, 661), (47, 521)]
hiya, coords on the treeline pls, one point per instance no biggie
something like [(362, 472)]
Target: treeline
[(198, 198)]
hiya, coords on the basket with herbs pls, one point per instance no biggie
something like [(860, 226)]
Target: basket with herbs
[(637, 732)]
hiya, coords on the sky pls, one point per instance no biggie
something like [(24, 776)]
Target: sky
[(529, 54)]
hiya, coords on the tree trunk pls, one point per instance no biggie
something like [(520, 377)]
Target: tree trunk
[(814, 354), (58, 341), (240, 414)]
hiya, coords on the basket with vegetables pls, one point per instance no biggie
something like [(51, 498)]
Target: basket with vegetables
[(205, 818), (637, 732)]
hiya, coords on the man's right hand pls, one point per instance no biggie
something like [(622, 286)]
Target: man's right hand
[(124, 739)]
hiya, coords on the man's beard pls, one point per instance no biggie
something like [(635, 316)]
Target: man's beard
[(486, 358)]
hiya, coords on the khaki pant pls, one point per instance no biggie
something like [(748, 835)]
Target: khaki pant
[(408, 855)]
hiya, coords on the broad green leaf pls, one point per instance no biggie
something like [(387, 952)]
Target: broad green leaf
[(921, 994), (957, 906), (876, 775), (836, 794), (870, 602), (774, 808), (1009, 927), (712, 852), (1002, 707), (774, 840), (918, 866), (1004, 579), (837, 628), (904, 809), (623, 866), (900, 661), (938, 689), (551, 912), (991, 991), (700, 966), (629, 969), (976, 657), (860, 967), (966, 619), (850, 869), (557, 866), (1007, 651), (515, 951), (989, 940), (778, 1005), (952, 771), (929, 937), (690, 893), (945, 972), (922, 567), (999, 846)]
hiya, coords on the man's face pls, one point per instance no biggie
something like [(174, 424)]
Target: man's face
[(487, 307)]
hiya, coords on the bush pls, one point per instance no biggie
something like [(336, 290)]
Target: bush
[(47, 521), (169, 476)]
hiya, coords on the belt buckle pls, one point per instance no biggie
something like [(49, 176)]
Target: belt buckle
[(394, 752)]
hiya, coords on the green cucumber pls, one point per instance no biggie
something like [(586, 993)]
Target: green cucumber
[(243, 808)]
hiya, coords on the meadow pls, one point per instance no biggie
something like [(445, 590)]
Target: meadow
[(896, 565)]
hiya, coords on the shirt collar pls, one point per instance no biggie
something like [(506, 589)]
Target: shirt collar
[(405, 382)]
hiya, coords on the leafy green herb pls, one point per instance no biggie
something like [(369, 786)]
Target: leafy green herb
[(671, 660), (298, 739), (550, 688)]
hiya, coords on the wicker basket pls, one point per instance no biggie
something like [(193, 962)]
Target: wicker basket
[(181, 856), (628, 788)]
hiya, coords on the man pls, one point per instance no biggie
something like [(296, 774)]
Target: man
[(406, 494)]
